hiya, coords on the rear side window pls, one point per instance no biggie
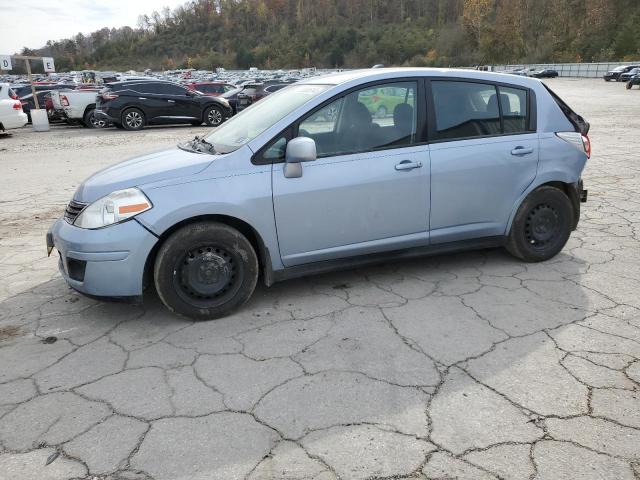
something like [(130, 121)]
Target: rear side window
[(514, 104), (465, 110)]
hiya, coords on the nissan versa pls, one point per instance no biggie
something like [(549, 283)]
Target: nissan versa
[(465, 159)]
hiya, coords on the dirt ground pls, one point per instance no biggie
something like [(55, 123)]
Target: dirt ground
[(469, 366)]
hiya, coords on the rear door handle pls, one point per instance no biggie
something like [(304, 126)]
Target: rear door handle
[(408, 165), (522, 151), (171, 101)]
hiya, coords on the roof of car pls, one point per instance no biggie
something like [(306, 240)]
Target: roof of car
[(385, 73), (135, 82)]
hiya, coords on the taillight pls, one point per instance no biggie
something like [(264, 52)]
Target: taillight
[(578, 140), (64, 100), (14, 96), (17, 106), (587, 145), (109, 96)]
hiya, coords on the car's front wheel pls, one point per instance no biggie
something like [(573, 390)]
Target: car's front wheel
[(205, 270), (133, 119), (213, 116), (92, 121), (542, 225)]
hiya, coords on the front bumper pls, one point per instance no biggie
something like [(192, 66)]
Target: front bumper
[(103, 115), (106, 262)]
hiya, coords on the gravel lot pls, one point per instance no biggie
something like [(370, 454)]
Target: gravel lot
[(470, 366)]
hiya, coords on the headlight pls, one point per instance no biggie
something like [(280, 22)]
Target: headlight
[(114, 208)]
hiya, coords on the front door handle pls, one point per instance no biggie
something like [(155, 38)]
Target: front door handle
[(408, 165), (171, 101), (522, 151)]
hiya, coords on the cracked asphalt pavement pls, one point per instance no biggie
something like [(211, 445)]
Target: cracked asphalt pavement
[(469, 366)]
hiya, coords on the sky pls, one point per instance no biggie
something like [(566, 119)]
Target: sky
[(30, 23)]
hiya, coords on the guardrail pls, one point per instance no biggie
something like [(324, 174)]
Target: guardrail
[(580, 70)]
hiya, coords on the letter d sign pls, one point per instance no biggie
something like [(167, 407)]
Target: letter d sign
[(5, 62)]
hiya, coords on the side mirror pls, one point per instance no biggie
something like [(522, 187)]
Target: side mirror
[(300, 149)]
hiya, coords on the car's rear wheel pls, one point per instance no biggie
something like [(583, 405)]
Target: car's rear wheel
[(541, 226), (133, 119), (213, 116), (205, 270)]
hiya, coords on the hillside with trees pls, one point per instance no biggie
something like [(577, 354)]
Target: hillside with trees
[(357, 33)]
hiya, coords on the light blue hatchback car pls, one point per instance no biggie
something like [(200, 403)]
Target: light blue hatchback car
[(318, 177)]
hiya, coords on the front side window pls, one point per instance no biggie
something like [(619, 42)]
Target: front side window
[(368, 119), (465, 109), (251, 122)]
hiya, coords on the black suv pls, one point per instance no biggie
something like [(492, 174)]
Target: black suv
[(616, 72), (133, 104)]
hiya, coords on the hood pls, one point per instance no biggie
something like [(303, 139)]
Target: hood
[(155, 167)]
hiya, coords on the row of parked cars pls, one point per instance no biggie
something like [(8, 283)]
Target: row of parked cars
[(629, 74), (533, 72), (138, 101)]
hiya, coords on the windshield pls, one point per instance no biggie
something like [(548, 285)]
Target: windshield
[(251, 122)]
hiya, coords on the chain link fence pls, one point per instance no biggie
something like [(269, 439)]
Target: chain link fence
[(581, 70)]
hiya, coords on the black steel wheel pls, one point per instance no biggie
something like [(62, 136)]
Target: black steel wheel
[(542, 225), (205, 270), (133, 119)]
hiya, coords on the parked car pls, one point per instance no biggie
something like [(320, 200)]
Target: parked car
[(213, 89), (477, 160), (78, 106), (626, 76), (251, 93), (544, 73), (382, 101), (519, 72), (28, 103), (132, 105), (232, 98), (635, 80), (11, 114), (616, 72)]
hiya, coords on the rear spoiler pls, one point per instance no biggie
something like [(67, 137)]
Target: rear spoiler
[(579, 123)]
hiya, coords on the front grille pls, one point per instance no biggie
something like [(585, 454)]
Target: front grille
[(73, 210)]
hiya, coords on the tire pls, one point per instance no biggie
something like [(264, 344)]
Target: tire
[(205, 270), (542, 225), (133, 119), (381, 112), (91, 121), (213, 116), (629, 85)]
